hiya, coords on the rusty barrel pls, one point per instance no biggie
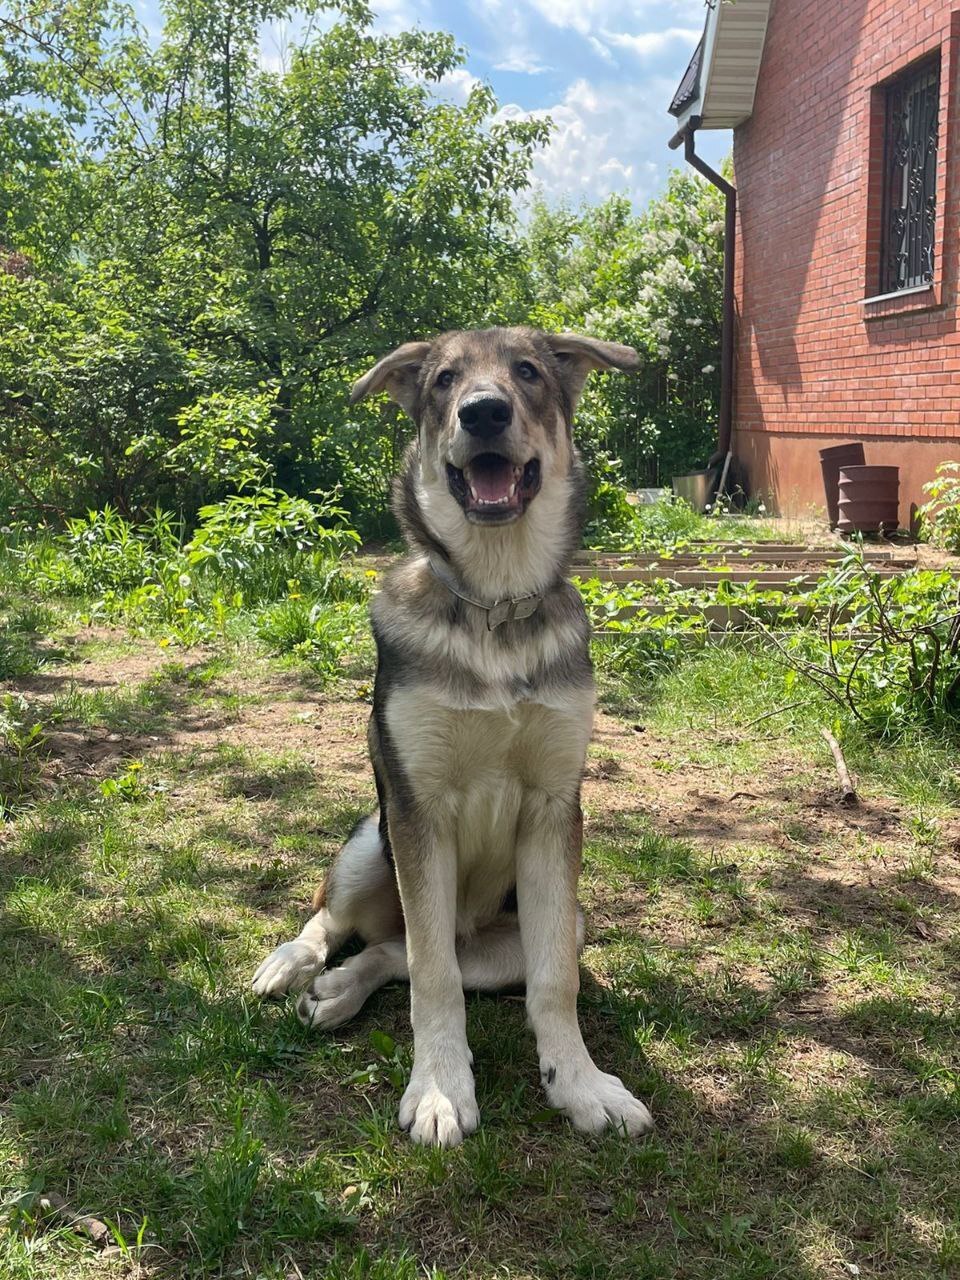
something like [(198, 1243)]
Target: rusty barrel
[(831, 462), (869, 499)]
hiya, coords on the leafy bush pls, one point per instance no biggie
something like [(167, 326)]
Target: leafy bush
[(654, 280), (102, 552), (173, 328), (648, 645), (223, 435), (263, 560), (260, 542), (885, 649), (318, 632), (609, 514), (941, 515)]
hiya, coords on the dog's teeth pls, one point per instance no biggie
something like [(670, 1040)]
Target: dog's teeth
[(492, 502), (474, 495)]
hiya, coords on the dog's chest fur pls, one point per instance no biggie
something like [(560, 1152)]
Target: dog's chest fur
[(472, 771), (478, 720)]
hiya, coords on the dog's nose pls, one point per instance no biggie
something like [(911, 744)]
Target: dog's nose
[(485, 415)]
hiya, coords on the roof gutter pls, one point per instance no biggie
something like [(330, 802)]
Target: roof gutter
[(686, 138)]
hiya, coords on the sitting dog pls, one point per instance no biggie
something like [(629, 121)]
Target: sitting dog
[(482, 710)]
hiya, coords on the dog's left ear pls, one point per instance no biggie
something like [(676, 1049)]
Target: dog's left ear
[(396, 374), (578, 355)]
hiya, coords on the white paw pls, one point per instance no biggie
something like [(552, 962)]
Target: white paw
[(593, 1100), (289, 968), (334, 997), (440, 1113)]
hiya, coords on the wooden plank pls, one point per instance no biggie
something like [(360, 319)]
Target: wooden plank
[(695, 548), (734, 556), (723, 544), (758, 558), (719, 618), (715, 614), (765, 579)]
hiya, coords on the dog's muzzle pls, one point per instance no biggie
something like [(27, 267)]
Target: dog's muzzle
[(493, 489)]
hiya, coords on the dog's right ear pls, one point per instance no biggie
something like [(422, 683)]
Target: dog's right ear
[(396, 374)]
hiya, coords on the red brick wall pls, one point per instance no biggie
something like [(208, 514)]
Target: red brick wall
[(814, 364)]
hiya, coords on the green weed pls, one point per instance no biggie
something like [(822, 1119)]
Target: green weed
[(22, 743)]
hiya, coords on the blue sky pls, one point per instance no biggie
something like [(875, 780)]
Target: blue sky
[(604, 70)]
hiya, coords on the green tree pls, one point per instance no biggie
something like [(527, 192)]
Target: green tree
[(243, 235)]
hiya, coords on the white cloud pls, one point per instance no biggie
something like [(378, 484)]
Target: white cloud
[(456, 85), (516, 30), (650, 43), (511, 41), (579, 15), (394, 16), (521, 60), (585, 16), (601, 50), (593, 151)]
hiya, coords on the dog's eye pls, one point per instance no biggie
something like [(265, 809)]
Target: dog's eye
[(445, 378), (526, 371)]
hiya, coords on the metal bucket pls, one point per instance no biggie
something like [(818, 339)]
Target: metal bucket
[(832, 461), (869, 499), (695, 488)]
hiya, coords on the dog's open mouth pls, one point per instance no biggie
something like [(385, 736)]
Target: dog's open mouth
[(492, 488)]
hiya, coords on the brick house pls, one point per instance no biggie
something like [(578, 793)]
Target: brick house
[(846, 120)]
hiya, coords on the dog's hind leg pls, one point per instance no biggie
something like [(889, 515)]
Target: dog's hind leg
[(490, 960), (359, 897)]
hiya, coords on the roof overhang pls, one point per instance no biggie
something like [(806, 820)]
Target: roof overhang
[(719, 85)]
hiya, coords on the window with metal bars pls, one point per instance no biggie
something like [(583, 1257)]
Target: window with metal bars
[(910, 178)]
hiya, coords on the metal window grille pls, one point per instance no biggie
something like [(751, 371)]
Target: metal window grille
[(910, 179)]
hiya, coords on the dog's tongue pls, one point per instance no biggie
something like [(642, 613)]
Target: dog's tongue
[(491, 477)]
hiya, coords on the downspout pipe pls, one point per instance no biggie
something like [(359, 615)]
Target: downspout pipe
[(686, 137)]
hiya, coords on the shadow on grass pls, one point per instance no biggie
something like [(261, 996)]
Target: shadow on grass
[(275, 783), (238, 1135), (25, 644)]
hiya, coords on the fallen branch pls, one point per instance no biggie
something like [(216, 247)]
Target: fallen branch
[(848, 792)]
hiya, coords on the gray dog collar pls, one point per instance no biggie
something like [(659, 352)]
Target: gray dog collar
[(513, 610)]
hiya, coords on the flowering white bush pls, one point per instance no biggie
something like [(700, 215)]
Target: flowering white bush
[(654, 280)]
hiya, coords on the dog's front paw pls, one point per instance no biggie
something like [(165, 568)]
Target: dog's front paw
[(593, 1100), (289, 968), (440, 1111)]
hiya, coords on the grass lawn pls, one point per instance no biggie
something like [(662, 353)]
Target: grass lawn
[(776, 975)]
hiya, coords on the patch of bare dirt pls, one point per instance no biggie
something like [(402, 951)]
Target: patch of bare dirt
[(653, 776), (329, 734), (125, 664)]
